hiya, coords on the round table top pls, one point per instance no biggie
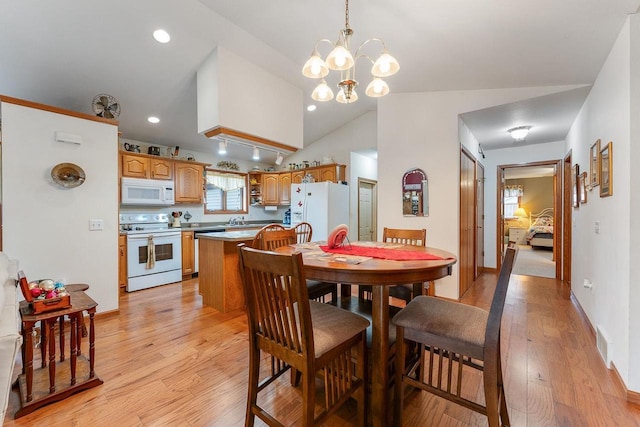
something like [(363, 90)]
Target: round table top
[(374, 271)]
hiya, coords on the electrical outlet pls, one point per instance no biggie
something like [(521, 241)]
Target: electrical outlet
[(96, 225)]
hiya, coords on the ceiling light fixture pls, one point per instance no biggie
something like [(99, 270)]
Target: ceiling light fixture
[(519, 133), (279, 159), (311, 107), (161, 36), (153, 119), (341, 59), (222, 147), (256, 154)]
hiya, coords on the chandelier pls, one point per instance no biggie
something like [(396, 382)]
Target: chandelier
[(341, 59)]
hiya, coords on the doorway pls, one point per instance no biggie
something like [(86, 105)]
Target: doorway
[(530, 212), (367, 208)]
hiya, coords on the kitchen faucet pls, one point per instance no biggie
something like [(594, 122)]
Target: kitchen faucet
[(237, 220)]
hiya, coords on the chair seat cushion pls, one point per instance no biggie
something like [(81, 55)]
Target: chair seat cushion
[(333, 326), (444, 322)]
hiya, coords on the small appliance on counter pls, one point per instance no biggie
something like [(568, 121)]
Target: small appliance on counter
[(287, 217)]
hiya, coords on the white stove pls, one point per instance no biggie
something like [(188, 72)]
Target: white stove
[(154, 251)]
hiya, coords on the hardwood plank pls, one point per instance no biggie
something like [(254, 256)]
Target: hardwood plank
[(168, 360)]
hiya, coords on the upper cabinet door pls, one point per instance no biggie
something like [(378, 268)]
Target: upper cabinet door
[(189, 183), (135, 166), (284, 188), (161, 169)]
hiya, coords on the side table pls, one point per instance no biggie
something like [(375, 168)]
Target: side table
[(41, 387)]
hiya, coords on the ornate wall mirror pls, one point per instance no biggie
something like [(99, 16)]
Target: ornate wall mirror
[(415, 193)]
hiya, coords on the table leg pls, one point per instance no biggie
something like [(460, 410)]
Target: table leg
[(27, 359), (73, 347), (43, 342), (52, 355), (80, 333), (380, 356), (92, 344), (62, 338)]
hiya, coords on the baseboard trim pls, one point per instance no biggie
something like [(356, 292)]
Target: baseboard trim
[(490, 270), (631, 396)]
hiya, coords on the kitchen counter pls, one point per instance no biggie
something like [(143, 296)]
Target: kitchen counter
[(219, 280), (230, 236), (215, 227)]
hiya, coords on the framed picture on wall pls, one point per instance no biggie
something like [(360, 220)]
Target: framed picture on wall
[(575, 185), (594, 167), (583, 188), (606, 170)]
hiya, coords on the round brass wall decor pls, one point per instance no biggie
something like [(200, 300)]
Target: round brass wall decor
[(68, 175)]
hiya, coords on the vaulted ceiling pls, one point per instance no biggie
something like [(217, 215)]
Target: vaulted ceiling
[(64, 52)]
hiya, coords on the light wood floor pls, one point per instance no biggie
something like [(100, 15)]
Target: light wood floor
[(167, 361)]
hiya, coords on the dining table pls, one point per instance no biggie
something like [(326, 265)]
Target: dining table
[(358, 263)]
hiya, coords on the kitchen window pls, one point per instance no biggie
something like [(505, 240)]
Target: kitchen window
[(226, 192)]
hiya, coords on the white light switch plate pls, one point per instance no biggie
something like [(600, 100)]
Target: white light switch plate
[(96, 225)]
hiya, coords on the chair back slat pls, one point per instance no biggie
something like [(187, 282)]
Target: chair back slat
[(303, 232), (273, 239), (257, 240), (492, 333), (404, 236), (277, 299)]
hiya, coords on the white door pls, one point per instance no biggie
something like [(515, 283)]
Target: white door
[(366, 211)]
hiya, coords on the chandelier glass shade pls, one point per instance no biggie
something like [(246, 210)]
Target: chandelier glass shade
[(341, 59)]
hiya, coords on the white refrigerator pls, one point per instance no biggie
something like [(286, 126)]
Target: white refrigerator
[(324, 205)]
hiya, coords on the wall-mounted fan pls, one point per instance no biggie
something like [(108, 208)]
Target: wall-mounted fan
[(106, 106)]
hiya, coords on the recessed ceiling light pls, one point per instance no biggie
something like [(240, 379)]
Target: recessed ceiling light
[(161, 36), (153, 119), (311, 108)]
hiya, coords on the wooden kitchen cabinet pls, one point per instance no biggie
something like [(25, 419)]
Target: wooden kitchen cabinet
[(122, 260), (143, 166), (160, 169), (332, 172), (284, 188), (270, 189), (189, 182), (188, 253)]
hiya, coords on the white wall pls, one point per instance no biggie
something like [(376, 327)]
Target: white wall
[(45, 226), (360, 167), (237, 94), (508, 156), (421, 130), (358, 134), (604, 258)]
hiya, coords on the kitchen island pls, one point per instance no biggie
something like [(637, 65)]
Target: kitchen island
[(219, 278)]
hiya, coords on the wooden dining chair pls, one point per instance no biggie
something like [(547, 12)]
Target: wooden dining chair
[(304, 231), (257, 240), (308, 336), (457, 337), (404, 237), (273, 238)]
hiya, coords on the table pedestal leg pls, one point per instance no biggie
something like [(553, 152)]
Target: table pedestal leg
[(380, 356)]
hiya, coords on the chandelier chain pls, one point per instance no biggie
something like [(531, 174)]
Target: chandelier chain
[(346, 14)]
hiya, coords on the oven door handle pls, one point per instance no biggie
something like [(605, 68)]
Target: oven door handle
[(156, 236)]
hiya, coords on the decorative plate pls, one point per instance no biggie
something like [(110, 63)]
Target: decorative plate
[(337, 236), (68, 175)]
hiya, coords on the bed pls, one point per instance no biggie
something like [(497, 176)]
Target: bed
[(540, 233)]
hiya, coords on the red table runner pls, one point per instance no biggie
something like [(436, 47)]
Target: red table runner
[(384, 253)]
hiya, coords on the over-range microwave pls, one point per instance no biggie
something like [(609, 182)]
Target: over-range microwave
[(138, 191)]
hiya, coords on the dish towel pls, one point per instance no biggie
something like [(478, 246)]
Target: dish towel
[(151, 253)]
